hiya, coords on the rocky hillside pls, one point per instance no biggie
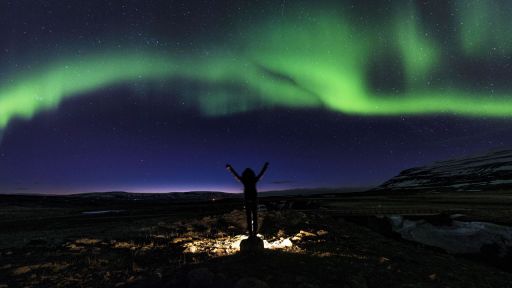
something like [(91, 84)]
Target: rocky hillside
[(492, 171)]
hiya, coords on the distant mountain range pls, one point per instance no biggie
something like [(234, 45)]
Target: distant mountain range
[(190, 196), (185, 196), (492, 171), (209, 195)]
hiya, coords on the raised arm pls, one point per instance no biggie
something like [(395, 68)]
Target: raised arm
[(263, 170), (230, 169)]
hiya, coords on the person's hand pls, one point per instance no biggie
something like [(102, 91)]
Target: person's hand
[(266, 163), (228, 166)]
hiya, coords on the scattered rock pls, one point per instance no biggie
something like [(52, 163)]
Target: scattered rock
[(123, 245), (131, 280), (324, 254), (73, 247), (297, 237), (307, 234), (219, 251), (200, 278), (383, 259), (250, 283), (21, 270), (191, 249), (181, 239), (303, 234), (87, 241), (322, 232), (282, 243), (158, 273)]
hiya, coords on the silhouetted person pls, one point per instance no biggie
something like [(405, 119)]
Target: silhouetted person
[(249, 179)]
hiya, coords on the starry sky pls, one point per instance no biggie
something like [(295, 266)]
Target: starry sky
[(157, 96)]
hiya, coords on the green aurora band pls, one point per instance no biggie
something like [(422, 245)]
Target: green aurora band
[(313, 62)]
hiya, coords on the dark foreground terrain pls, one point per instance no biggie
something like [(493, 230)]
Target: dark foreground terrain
[(312, 241)]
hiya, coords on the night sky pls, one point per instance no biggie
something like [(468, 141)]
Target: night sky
[(157, 96)]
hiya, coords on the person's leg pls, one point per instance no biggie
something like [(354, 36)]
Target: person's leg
[(255, 218), (249, 220)]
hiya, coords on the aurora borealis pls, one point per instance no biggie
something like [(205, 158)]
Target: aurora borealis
[(358, 59), (322, 61)]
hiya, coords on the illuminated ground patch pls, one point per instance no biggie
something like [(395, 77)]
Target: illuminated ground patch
[(229, 245)]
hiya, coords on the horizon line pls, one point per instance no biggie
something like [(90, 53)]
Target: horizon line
[(358, 188)]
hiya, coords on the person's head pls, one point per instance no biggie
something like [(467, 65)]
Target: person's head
[(248, 174)]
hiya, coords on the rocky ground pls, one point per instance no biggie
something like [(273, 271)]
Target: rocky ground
[(304, 249)]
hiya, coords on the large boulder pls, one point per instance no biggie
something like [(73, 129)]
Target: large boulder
[(251, 245)]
